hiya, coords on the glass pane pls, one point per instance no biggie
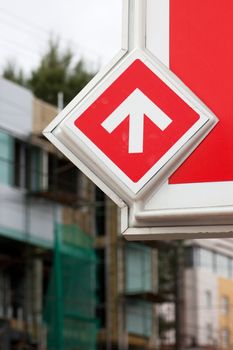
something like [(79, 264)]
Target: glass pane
[(138, 268), (34, 170), (206, 259), (224, 305), (222, 266), (225, 338), (6, 158), (139, 318), (208, 299)]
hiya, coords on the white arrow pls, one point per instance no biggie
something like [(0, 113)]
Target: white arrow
[(136, 106)]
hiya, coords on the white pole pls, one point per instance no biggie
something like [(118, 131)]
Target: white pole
[(134, 24), (60, 101)]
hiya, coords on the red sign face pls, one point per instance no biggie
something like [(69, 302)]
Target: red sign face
[(201, 55), (136, 120)]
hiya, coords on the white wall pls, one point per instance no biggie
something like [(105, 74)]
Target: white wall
[(16, 105)]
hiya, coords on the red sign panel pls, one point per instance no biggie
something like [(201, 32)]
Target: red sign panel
[(133, 91), (201, 54)]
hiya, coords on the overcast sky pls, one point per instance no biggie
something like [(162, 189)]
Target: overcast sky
[(92, 28)]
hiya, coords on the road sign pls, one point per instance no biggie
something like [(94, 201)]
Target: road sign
[(137, 122), (132, 127)]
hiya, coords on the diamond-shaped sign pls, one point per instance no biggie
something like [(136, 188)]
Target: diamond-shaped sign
[(135, 121), (135, 97)]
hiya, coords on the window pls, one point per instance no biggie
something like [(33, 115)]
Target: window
[(100, 289), (218, 263), (139, 317), (27, 166), (138, 268), (225, 338), (231, 268), (224, 305), (189, 256), (209, 333), (100, 212), (206, 258), (208, 297), (222, 266), (230, 272), (63, 176), (6, 159)]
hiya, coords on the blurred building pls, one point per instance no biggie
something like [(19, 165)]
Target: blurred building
[(64, 271), (67, 278), (208, 293), (47, 259), (202, 311), (128, 286)]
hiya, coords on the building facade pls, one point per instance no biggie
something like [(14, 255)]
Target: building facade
[(71, 281), (208, 293), (47, 259), (68, 279)]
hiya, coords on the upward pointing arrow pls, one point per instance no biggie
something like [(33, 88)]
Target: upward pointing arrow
[(136, 106)]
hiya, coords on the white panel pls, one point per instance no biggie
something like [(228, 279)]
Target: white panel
[(12, 211), (43, 216), (192, 195), (16, 105), (36, 220), (157, 36)]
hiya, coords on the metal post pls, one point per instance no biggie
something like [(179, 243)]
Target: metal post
[(58, 290), (134, 24), (179, 266), (59, 302), (60, 101)]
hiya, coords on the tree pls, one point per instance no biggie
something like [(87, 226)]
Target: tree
[(55, 73), (12, 73)]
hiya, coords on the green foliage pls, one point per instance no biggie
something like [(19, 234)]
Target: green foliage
[(77, 80), (164, 326), (11, 72), (55, 73), (167, 265)]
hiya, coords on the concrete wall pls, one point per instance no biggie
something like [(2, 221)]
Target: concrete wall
[(16, 105), (43, 114)]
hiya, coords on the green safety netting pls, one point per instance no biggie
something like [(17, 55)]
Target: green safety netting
[(71, 301)]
